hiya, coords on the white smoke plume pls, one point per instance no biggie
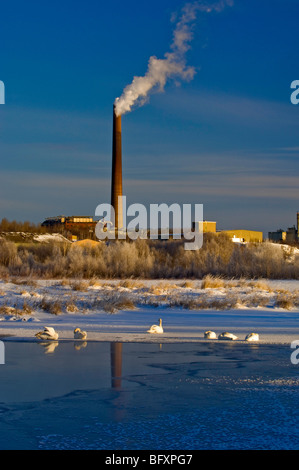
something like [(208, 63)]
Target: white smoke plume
[(174, 63)]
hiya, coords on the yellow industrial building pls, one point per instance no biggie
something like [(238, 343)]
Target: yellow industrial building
[(236, 235), (245, 235), (207, 226)]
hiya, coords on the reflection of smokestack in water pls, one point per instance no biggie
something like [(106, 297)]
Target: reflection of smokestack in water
[(116, 187), (116, 364)]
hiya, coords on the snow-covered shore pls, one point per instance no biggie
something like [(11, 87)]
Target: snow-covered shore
[(124, 310)]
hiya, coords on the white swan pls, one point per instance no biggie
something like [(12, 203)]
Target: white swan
[(79, 334), (252, 337), (49, 333), (227, 336), (156, 328), (210, 335)]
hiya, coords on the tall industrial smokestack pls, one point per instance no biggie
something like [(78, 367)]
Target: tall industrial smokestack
[(116, 186)]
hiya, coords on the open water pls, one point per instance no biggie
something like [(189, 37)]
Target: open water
[(139, 396)]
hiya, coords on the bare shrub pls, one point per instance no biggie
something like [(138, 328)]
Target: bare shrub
[(284, 301), (115, 302), (204, 302), (187, 303), (15, 226), (55, 308), (9, 254), (4, 273), (229, 302), (255, 300), (219, 258), (296, 299), (52, 306), (27, 309), (71, 306)]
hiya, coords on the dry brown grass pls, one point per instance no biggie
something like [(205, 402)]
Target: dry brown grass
[(7, 310), (187, 284), (212, 282), (81, 286), (161, 288), (25, 309), (239, 283), (131, 284), (24, 292), (23, 282), (260, 285), (109, 285), (35, 294)]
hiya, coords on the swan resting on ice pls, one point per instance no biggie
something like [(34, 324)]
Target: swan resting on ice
[(252, 337), (79, 334), (49, 333), (156, 328), (210, 335), (227, 336)]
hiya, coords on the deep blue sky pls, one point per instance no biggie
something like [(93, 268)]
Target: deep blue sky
[(229, 139)]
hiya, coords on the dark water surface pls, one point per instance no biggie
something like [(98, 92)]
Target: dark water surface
[(136, 396)]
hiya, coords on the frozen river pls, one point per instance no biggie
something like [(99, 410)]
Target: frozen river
[(134, 396)]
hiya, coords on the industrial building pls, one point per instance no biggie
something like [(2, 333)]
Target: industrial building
[(68, 223), (207, 226), (246, 236), (291, 235), (74, 227), (242, 236), (278, 236), (78, 227)]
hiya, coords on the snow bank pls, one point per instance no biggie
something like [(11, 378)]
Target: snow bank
[(124, 310), (50, 237)]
